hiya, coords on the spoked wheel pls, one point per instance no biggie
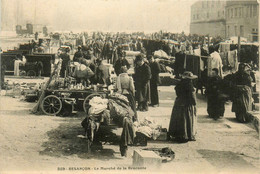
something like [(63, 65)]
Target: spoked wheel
[(51, 105), (31, 73), (86, 105)]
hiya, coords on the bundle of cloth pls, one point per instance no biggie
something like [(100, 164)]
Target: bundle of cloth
[(161, 53), (148, 128), (82, 71), (97, 105), (103, 111)]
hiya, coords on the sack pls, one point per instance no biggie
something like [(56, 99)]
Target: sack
[(90, 73), (82, 71)]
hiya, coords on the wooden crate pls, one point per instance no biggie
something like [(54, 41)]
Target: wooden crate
[(146, 158)]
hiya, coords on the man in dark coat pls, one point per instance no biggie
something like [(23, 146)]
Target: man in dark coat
[(108, 51), (65, 62), (78, 55), (120, 63), (155, 80), (142, 78)]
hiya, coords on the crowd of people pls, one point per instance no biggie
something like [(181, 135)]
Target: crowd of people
[(141, 87)]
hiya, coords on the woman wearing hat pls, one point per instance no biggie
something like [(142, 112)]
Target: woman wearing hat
[(183, 121), (242, 96)]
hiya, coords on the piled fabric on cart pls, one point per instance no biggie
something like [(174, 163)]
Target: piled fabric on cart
[(97, 114), (103, 111), (122, 115), (97, 105)]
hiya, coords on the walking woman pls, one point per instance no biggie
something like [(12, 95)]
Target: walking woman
[(183, 121), (125, 86), (242, 97)]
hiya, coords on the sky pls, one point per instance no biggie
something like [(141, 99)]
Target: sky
[(102, 15)]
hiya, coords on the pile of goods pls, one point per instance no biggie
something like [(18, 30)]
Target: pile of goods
[(29, 90), (113, 110), (148, 128)]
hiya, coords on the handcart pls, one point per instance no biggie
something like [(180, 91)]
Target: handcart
[(54, 100)]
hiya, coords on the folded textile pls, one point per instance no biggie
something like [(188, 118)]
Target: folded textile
[(148, 128), (97, 105)]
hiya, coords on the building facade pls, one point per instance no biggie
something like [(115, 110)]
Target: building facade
[(225, 18), (242, 18), (208, 17)]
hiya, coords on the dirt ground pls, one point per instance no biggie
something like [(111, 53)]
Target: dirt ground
[(40, 143)]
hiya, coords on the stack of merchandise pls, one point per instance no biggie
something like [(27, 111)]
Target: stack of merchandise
[(102, 111), (148, 128)]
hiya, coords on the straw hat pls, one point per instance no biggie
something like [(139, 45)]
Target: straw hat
[(188, 75)]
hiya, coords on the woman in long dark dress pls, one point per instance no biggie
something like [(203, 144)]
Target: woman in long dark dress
[(215, 104), (183, 121), (242, 96)]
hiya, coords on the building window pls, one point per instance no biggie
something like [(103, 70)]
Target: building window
[(218, 13), (254, 34), (207, 14), (255, 38), (241, 30), (240, 12), (250, 10), (228, 31), (254, 10), (197, 16), (223, 13), (235, 12), (235, 30), (227, 13), (231, 12), (247, 11), (194, 16)]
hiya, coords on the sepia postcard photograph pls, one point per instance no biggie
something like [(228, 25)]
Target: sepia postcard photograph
[(129, 86)]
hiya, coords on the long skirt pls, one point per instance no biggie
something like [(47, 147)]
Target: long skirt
[(215, 106), (242, 103), (154, 93), (183, 121)]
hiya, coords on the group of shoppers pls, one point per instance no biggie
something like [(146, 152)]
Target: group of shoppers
[(141, 90)]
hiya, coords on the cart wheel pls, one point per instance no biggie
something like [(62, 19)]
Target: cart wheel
[(31, 73), (51, 105), (86, 105)]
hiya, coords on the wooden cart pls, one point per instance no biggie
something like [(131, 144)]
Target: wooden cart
[(52, 103)]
